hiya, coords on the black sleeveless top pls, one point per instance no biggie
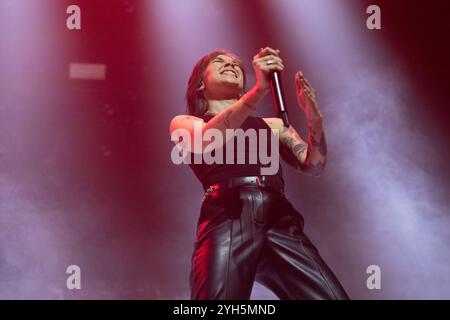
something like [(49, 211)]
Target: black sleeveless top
[(209, 174)]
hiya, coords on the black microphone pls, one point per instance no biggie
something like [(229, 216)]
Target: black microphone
[(278, 96)]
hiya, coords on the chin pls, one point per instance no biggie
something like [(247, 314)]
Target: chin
[(233, 84)]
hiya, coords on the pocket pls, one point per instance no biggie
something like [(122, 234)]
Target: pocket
[(210, 213), (209, 208)]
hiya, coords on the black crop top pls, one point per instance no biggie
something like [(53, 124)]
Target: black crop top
[(209, 174)]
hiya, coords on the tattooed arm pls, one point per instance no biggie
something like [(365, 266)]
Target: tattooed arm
[(230, 118), (306, 157), (311, 157)]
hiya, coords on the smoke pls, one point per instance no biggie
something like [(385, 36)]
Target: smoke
[(391, 172), (29, 249)]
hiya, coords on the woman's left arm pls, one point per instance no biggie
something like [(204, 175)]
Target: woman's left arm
[(307, 157)]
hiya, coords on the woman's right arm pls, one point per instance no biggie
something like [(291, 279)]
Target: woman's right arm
[(233, 116), (230, 118)]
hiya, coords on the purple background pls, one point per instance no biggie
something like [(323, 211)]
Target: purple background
[(85, 171)]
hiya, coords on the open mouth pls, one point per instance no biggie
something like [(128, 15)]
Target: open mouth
[(229, 71)]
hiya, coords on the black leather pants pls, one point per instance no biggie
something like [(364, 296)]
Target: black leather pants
[(251, 234)]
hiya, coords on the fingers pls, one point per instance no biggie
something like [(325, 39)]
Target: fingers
[(266, 67), (267, 51), (308, 85), (302, 82), (268, 59), (304, 87)]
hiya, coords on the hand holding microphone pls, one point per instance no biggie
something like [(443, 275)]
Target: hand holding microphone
[(266, 61), (268, 67)]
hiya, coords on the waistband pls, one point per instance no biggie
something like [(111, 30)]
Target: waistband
[(271, 183)]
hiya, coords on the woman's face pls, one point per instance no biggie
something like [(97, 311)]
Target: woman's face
[(223, 78)]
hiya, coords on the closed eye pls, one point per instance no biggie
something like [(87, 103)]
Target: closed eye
[(236, 63)]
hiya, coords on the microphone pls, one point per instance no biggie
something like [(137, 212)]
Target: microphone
[(278, 96)]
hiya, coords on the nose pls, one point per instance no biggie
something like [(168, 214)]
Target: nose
[(233, 64)]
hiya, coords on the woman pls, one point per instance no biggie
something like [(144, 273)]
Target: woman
[(247, 229)]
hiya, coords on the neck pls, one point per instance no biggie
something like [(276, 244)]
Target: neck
[(217, 106)]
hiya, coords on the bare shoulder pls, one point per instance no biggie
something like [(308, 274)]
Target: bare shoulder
[(184, 121)]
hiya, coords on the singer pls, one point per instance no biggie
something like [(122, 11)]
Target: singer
[(247, 229)]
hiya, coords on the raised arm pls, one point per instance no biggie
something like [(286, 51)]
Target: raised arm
[(230, 118), (306, 157), (235, 114)]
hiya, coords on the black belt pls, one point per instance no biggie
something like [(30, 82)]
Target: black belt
[(271, 183)]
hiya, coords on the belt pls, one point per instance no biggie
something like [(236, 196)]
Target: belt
[(271, 183)]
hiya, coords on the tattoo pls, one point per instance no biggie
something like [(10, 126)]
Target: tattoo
[(323, 146), (225, 118), (314, 169), (308, 158), (288, 156), (293, 147), (299, 148)]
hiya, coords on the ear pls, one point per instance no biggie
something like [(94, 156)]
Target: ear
[(201, 86)]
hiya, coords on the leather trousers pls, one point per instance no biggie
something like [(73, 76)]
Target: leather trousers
[(250, 234)]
